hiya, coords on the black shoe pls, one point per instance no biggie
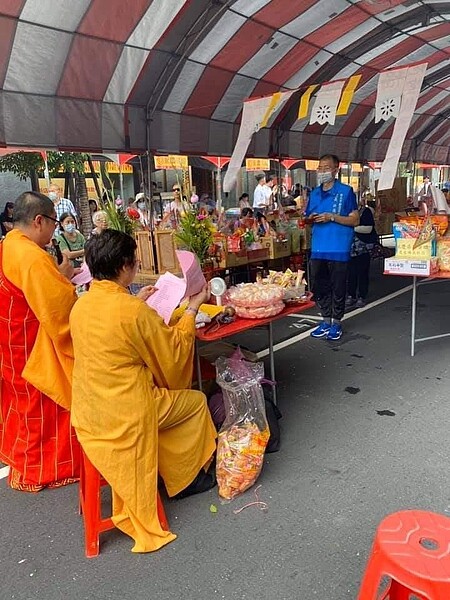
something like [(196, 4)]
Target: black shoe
[(202, 483)]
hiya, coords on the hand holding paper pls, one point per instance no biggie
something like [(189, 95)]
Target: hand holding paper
[(171, 290)]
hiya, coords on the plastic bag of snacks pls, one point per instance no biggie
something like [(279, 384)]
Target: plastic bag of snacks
[(443, 252), (245, 432), (256, 301)]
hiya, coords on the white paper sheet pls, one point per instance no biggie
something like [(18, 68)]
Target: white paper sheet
[(253, 113), (411, 91), (326, 102), (389, 94)]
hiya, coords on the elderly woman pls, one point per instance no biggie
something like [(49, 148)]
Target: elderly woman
[(133, 410), (100, 221)]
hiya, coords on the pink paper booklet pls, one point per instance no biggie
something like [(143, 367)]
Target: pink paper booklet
[(171, 290)]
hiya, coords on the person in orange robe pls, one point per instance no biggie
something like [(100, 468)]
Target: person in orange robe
[(36, 297), (132, 408)]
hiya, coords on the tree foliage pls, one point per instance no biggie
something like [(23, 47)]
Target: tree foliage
[(23, 164)]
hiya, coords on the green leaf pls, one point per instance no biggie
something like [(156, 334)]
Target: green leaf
[(213, 508)]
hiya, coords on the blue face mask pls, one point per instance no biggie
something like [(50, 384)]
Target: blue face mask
[(69, 228), (53, 196)]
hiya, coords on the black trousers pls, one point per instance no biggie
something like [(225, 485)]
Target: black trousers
[(329, 286), (358, 276)]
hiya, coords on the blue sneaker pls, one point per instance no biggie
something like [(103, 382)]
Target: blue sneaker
[(321, 331), (335, 332)]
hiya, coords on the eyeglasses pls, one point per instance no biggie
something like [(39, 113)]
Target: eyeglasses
[(55, 221), (176, 190)]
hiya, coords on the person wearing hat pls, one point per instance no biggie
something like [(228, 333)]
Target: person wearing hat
[(142, 208)]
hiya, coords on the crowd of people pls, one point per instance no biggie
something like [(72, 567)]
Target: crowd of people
[(116, 381)]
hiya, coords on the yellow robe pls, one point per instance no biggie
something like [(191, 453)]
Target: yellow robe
[(132, 410), (51, 297)]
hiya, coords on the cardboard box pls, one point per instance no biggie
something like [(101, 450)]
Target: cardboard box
[(275, 248), (394, 199), (401, 266), (257, 255)]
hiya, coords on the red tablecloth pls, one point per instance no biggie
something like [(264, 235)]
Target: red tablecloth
[(240, 325)]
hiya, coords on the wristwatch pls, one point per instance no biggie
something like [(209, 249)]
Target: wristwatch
[(332, 217)]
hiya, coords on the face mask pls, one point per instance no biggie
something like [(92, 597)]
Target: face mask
[(70, 228), (325, 177), (53, 196), (141, 205)]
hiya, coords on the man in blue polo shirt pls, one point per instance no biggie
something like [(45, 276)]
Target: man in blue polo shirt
[(333, 210)]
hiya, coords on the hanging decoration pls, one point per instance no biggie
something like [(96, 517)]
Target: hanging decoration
[(256, 113), (409, 81), (389, 94), (325, 105)]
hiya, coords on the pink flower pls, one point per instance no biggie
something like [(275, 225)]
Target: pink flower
[(201, 217)]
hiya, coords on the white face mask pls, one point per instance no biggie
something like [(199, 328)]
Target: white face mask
[(53, 196), (325, 177), (141, 205), (70, 227)]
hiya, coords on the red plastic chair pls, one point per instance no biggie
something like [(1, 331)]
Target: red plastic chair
[(412, 547), (91, 509)]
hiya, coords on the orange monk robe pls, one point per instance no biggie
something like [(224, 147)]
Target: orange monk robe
[(51, 297), (36, 439), (132, 408)]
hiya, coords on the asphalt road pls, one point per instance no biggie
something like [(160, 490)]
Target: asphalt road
[(341, 468)]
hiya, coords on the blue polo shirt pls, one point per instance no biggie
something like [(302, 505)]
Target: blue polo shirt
[(332, 241)]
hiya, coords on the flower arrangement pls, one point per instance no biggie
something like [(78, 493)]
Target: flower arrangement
[(195, 233), (118, 217)]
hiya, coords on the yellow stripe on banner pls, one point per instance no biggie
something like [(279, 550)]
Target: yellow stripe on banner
[(304, 101), (347, 95), (272, 106)]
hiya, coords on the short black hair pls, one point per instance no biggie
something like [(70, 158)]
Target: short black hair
[(64, 216), (244, 195), (332, 157), (247, 212), (108, 252), (260, 176), (30, 204), (269, 178), (9, 205)]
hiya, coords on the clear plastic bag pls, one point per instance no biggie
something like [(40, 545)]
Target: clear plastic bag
[(245, 432)]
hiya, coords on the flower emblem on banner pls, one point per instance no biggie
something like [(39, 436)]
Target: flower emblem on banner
[(325, 105), (323, 114), (389, 108)]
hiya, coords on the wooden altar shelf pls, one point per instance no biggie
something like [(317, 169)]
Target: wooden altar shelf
[(145, 252), (166, 257)]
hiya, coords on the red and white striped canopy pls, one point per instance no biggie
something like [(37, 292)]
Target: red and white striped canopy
[(171, 75)]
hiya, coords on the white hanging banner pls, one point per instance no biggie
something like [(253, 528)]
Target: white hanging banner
[(411, 90), (389, 94), (255, 113), (326, 103)]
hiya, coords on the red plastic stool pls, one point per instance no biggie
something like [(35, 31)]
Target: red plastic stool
[(91, 509), (412, 547)]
